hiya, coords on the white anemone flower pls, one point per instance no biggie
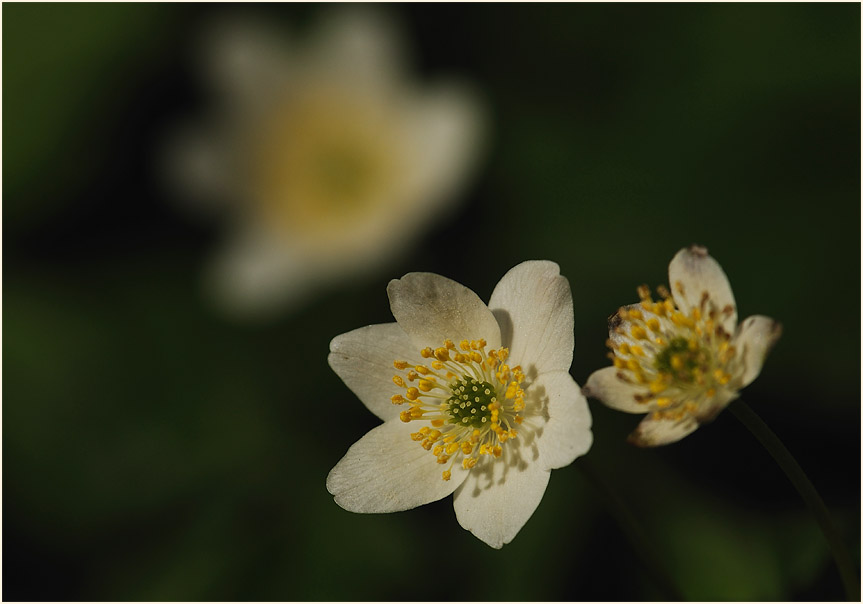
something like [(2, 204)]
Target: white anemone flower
[(683, 359), (481, 404), (325, 157)]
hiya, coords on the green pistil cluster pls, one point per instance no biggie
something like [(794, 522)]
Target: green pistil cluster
[(679, 360), (470, 402)]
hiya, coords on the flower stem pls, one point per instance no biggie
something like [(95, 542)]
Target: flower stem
[(630, 527), (807, 491)]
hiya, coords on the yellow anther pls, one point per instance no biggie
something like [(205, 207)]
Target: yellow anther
[(412, 375), (635, 314), (725, 379), (437, 450), (638, 332), (437, 423), (633, 365), (497, 451), (405, 416), (662, 402), (696, 313), (518, 419), (416, 412), (623, 348), (511, 389), (422, 370), (412, 394), (441, 354), (678, 318), (483, 449), (718, 374), (637, 351), (449, 345), (464, 345), (658, 308), (466, 448), (619, 363), (513, 433), (643, 292), (437, 365), (668, 303), (427, 353), (653, 324), (426, 385), (397, 399), (417, 436), (468, 463), (399, 381), (461, 358), (446, 474), (425, 430), (434, 435), (427, 445), (400, 364), (519, 404), (657, 386), (449, 439), (503, 354), (475, 356), (677, 362), (474, 438), (480, 344), (502, 435), (443, 459), (452, 448)]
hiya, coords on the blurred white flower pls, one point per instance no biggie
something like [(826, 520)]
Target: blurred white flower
[(327, 159), (482, 403), (681, 360)]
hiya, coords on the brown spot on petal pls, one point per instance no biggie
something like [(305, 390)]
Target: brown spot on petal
[(614, 321), (698, 250)]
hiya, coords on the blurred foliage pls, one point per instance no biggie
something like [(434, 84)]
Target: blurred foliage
[(153, 450)]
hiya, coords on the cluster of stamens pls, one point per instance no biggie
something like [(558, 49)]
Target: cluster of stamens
[(471, 398), (680, 359)]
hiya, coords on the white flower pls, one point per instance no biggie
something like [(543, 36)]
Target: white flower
[(325, 157), (681, 360), (481, 404)]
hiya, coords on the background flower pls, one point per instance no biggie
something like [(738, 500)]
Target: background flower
[(326, 154), (152, 451)]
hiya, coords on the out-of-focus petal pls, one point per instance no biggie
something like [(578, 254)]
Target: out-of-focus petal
[(754, 338), (653, 432), (385, 471), (432, 308), (533, 306), (692, 274), (364, 357), (605, 385)]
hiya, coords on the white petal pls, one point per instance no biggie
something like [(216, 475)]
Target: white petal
[(431, 308), (753, 340), (605, 385), (444, 127), (385, 471), (653, 432), (359, 45), (256, 275), (697, 273), (499, 497), (533, 306), (364, 357), (566, 433)]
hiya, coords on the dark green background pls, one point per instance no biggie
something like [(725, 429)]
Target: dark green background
[(153, 449)]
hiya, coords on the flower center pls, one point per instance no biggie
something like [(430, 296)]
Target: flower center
[(471, 402), (680, 359), (470, 398)]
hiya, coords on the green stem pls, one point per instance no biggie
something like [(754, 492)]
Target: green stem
[(630, 527), (807, 491)]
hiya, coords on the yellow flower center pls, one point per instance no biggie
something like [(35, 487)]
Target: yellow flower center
[(323, 162), (471, 400), (680, 359)]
